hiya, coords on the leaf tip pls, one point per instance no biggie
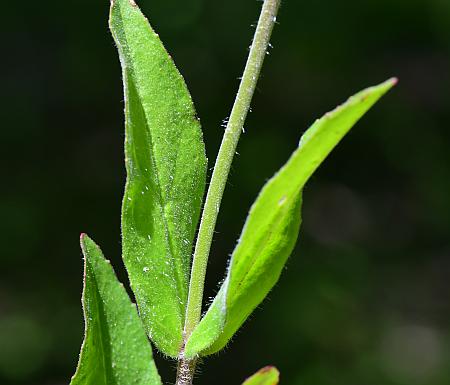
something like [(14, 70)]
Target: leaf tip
[(268, 375), (388, 84), (393, 81), (268, 368), (86, 242), (83, 238), (132, 3)]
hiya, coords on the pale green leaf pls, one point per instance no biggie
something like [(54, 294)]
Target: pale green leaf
[(166, 168), (115, 350), (268, 375), (271, 229)]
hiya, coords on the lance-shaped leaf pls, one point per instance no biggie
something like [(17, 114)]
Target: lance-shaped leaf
[(271, 229), (115, 350), (166, 168), (268, 375)]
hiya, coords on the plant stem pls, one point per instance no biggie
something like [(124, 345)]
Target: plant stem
[(224, 159), (185, 371), (258, 50)]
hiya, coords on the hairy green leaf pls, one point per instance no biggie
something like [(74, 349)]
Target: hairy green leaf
[(271, 229), (166, 168), (268, 375), (115, 350)]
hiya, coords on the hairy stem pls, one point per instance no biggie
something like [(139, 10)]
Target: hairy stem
[(224, 159), (185, 371)]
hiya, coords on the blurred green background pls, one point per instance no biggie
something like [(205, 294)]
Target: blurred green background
[(365, 297)]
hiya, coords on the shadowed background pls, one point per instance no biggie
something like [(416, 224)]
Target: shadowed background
[(365, 297)]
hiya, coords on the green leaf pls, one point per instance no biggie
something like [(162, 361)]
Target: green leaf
[(268, 375), (115, 350), (166, 168), (271, 229)]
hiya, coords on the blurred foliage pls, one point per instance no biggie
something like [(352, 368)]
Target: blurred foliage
[(366, 296)]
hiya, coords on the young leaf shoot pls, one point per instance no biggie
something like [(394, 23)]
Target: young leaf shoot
[(166, 178)]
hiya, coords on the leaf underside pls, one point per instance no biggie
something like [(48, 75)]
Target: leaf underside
[(115, 350), (268, 375), (166, 169), (272, 226)]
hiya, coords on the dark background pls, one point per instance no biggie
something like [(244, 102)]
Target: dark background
[(365, 297)]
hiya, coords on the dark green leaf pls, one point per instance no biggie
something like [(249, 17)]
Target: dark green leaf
[(115, 350), (271, 229), (268, 375), (166, 167)]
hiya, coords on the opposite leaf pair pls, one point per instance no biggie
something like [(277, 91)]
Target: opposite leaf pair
[(116, 349), (166, 174)]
